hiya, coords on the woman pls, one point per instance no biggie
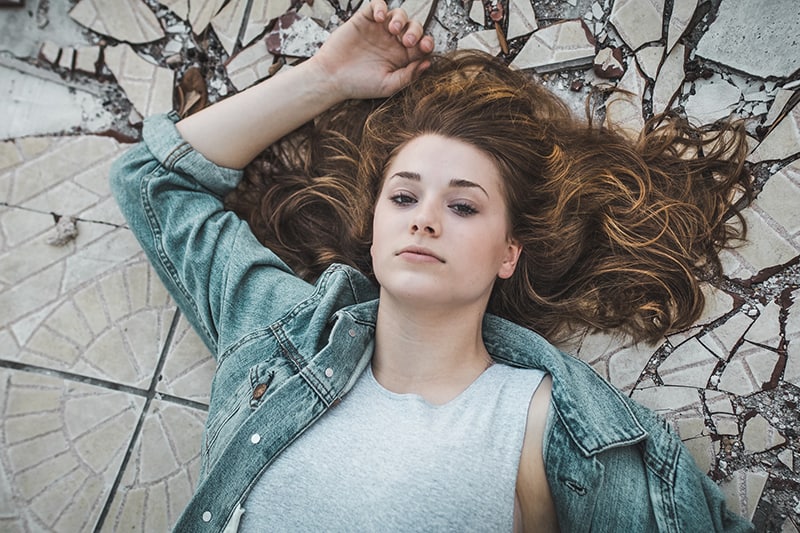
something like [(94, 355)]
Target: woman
[(437, 415)]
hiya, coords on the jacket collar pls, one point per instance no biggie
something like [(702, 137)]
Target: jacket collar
[(596, 415)]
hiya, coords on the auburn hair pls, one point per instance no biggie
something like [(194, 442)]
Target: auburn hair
[(616, 233)]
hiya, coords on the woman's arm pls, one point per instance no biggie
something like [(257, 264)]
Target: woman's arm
[(536, 508), (372, 55)]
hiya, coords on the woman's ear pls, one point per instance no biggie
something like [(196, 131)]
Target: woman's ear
[(509, 264)]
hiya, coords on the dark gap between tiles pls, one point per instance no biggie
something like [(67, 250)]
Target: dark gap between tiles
[(150, 393)]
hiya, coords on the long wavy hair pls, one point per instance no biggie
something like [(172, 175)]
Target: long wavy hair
[(615, 233)]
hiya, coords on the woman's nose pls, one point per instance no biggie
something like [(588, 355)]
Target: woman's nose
[(425, 220)]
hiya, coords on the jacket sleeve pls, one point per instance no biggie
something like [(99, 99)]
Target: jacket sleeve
[(207, 257)]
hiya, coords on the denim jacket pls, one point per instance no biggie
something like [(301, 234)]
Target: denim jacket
[(287, 350)]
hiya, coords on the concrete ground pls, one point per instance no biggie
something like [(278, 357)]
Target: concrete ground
[(104, 387)]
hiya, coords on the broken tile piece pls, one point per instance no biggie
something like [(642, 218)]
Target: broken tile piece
[(486, 41), (296, 36), (615, 357), (638, 21), (748, 370), (148, 86), (759, 435), (86, 58), (701, 449), (749, 38), (477, 12), (521, 18), (419, 10), (42, 106), (791, 373), (765, 247), (66, 59), (249, 65), (682, 12), (722, 339), (786, 457), (50, 52), (227, 23), (179, 7), (321, 11), (743, 491), (608, 63), (562, 45), (726, 424), (201, 13), (766, 329), (667, 399), (124, 20), (649, 60), (783, 140), (690, 365), (776, 109), (714, 99), (624, 109), (262, 12), (670, 79)]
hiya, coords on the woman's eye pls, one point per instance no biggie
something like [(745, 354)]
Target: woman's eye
[(463, 209), (402, 199)]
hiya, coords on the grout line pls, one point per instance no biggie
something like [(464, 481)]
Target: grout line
[(150, 394), (71, 376), (57, 216)]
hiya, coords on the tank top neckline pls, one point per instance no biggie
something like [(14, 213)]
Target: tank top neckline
[(416, 398)]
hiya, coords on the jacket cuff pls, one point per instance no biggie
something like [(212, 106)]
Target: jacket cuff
[(170, 149)]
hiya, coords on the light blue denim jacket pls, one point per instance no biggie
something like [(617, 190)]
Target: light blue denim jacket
[(287, 350)]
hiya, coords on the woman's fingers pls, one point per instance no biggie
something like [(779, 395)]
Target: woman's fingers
[(378, 9)]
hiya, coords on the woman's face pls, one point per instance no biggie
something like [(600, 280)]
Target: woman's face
[(441, 231)]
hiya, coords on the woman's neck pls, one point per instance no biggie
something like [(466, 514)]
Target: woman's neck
[(435, 353)]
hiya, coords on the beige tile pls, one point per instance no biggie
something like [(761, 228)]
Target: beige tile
[(649, 60), (713, 99), (262, 12), (148, 86), (759, 435), (766, 329), (419, 10), (783, 140), (690, 365), (228, 21), (201, 13), (780, 198), (682, 12), (179, 7), (638, 21), (749, 38), (64, 449), (189, 367), (723, 339), (560, 45), (668, 400), (624, 109), (124, 20), (249, 65), (162, 472), (322, 11), (485, 40), (521, 18), (750, 368), (743, 491), (670, 80)]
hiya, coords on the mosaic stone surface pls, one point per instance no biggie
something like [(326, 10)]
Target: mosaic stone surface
[(104, 386)]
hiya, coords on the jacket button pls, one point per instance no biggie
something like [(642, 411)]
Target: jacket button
[(207, 516), (352, 333), (329, 372), (255, 438), (259, 391)]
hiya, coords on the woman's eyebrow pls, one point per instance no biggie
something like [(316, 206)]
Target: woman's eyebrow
[(455, 182)]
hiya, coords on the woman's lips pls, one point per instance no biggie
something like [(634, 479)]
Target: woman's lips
[(420, 254)]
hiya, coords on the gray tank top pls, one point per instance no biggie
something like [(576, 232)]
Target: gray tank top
[(381, 461)]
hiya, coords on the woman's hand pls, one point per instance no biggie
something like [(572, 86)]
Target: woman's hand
[(375, 53)]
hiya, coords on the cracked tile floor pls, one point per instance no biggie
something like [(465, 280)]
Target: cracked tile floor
[(104, 387)]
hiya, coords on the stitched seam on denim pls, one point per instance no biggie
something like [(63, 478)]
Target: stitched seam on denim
[(176, 154), (168, 266)]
